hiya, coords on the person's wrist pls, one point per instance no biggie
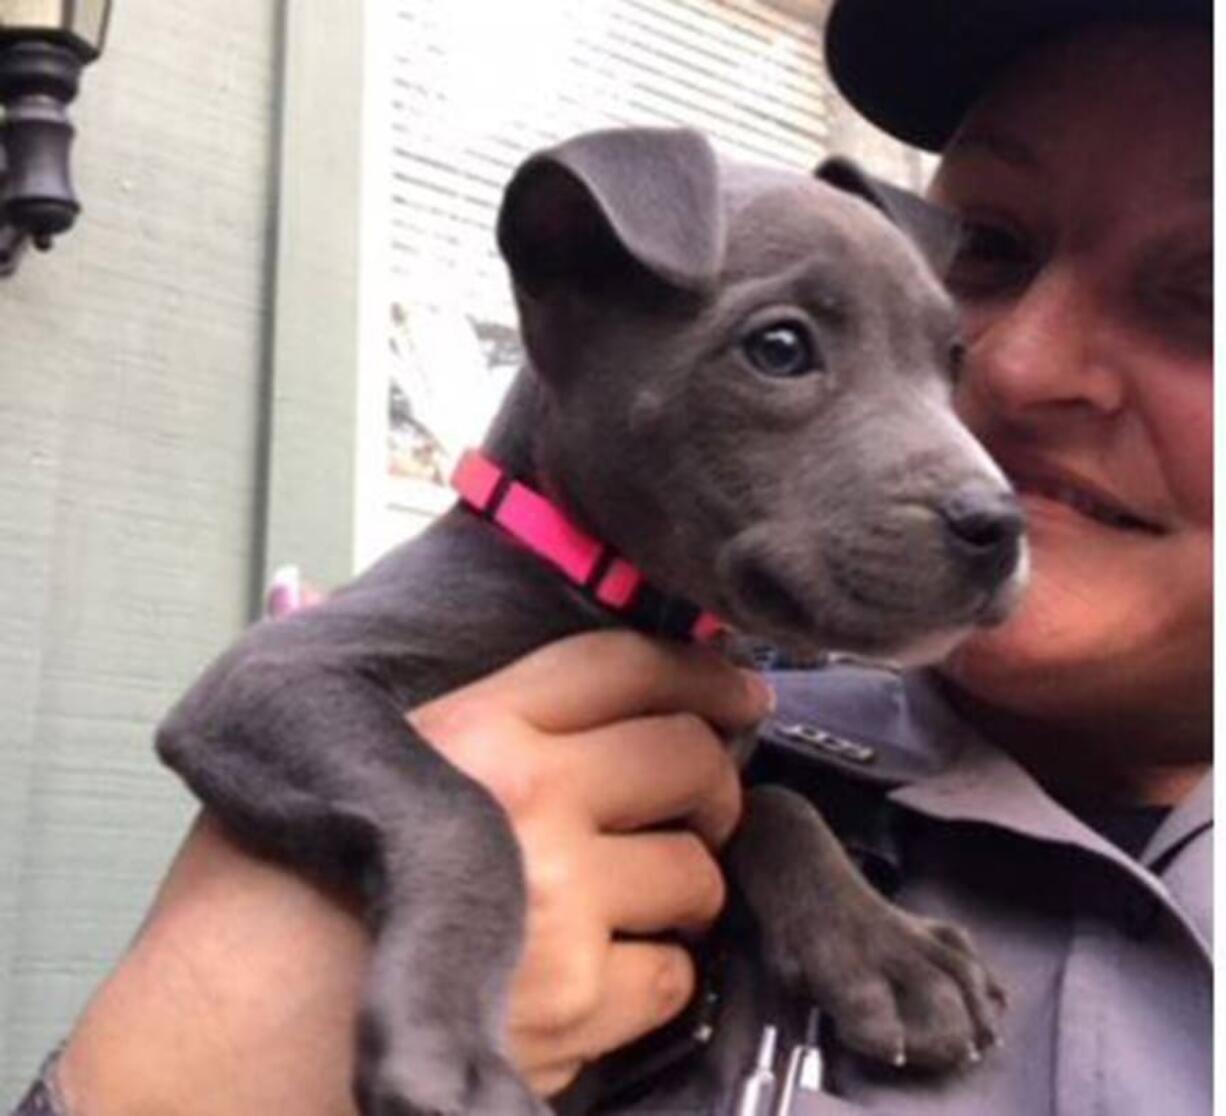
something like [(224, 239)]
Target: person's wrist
[(238, 996)]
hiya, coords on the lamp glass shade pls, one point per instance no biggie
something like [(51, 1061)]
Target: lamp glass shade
[(81, 20)]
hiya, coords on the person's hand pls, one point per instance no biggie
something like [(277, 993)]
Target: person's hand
[(590, 745), (595, 746)]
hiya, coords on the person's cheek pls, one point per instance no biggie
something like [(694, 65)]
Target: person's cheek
[(975, 318), (971, 403), (1179, 414)]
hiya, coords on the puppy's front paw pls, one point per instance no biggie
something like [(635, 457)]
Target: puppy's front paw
[(907, 991), (413, 1070), (903, 990), (428, 1033)]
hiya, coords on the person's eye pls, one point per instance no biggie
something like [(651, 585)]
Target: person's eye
[(1179, 300), (992, 259), (1189, 291), (782, 350)]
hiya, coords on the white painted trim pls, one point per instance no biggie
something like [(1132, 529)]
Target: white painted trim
[(313, 435), (370, 488)]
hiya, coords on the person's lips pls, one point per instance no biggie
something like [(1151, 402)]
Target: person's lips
[(1086, 498)]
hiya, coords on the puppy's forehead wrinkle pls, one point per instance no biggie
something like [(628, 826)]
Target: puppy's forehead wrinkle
[(810, 282), (776, 232), (782, 227), (758, 200), (743, 183)]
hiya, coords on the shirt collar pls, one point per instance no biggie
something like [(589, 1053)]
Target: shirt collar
[(984, 784)]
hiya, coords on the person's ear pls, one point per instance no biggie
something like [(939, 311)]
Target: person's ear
[(937, 232), (614, 208)]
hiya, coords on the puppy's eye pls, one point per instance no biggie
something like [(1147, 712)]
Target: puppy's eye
[(782, 350)]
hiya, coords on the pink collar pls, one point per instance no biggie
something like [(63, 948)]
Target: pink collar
[(605, 576)]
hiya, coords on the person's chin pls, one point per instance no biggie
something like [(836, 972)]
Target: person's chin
[(997, 666), (1081, 649), (1049, 654)]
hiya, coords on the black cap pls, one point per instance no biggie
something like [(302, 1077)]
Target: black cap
[(914, 67)]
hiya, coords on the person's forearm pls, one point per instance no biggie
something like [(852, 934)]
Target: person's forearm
[(237, 997)]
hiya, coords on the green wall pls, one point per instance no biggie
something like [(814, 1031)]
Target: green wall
[(133, 387)]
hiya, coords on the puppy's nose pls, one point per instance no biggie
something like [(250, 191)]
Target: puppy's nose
[(984, 528)]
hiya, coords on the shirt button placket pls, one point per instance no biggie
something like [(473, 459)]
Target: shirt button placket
[(1079, 1051)]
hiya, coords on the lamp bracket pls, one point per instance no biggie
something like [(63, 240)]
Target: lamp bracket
[(39, 78)]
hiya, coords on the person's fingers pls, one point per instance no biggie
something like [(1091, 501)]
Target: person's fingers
[(508, 757), (645, 984), (654, 769), (654, 982), (591, 745), (630, 765), (288, 592), (598, 677), (650, 883)]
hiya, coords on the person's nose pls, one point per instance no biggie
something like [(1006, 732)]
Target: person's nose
[(1049, 346)]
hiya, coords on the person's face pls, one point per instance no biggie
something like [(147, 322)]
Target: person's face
[(1086, 283)]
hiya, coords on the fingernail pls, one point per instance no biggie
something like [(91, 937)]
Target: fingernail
[(284, 592)]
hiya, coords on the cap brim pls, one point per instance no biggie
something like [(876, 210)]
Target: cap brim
[(914, 67)]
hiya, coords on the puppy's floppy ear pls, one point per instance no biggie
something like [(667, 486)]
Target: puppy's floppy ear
[(936, 231), (608, 206)]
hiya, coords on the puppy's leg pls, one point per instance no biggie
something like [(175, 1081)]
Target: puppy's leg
[(901, 989), (317, 767)]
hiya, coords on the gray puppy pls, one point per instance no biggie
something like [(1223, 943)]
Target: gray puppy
[(739, 380)]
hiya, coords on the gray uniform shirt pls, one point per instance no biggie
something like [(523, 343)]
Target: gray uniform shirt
[(1106, 958)]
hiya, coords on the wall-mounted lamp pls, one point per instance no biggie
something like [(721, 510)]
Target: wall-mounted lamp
[(44, 44)]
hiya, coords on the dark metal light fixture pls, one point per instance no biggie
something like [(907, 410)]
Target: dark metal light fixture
[(44, 44)]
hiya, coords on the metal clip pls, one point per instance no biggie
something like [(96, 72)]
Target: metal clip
[(758, 1088), (804, 1070)]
